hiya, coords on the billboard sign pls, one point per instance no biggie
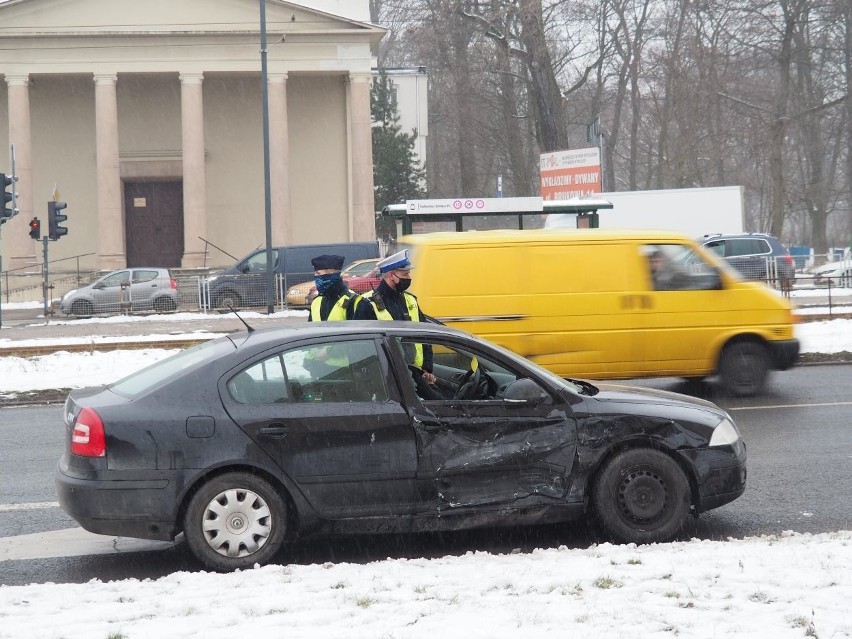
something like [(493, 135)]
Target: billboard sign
[(566, 175)]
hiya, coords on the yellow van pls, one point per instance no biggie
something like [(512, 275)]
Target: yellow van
[(585, 303)]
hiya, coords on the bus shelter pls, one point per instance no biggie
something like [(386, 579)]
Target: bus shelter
[(481, 214)]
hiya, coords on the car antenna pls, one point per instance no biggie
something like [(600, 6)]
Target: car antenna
[(248, 328)]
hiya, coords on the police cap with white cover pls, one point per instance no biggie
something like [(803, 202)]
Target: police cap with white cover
[(328, 261), (396, 261)]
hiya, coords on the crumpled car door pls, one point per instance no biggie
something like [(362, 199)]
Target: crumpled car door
[(481, 453)]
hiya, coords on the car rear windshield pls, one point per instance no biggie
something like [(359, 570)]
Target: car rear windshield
[(140, 381)]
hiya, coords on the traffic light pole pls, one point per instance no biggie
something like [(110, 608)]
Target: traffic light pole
[(1, 277), (46, 278)]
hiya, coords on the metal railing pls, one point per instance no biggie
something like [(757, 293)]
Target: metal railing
[(200, 292)]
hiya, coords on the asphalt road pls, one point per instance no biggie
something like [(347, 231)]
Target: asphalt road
[(800, 478)]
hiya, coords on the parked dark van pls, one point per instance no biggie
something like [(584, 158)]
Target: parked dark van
[(244, 284)]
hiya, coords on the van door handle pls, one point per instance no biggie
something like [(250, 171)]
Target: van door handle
[(275, 431)]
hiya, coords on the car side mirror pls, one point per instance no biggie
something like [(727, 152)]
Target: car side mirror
[(524, 392), (244, 268), (99, 285)]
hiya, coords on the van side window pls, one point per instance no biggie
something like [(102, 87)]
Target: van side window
[(676, 267), (257, 262)]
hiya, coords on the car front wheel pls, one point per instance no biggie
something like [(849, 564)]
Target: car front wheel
[(82, 307), (641, 496), (235, 521)]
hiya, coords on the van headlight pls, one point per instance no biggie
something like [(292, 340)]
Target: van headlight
[(725, 433)]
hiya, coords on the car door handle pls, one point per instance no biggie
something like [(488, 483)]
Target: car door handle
[(275, 431)]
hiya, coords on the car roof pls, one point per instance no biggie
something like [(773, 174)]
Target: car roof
[(272, 336), (725, 236)]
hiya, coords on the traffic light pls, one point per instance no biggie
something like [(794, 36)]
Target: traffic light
[(9, 211), (54, 217), (35, 228)]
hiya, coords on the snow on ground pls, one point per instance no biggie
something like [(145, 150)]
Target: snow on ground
[(791, 586)]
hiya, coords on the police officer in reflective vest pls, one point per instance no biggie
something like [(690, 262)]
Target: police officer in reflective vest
[(391, 301), (335, 300)]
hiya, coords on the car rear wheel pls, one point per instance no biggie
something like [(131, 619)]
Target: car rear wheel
[(235, 521), (226, 299), (82, 307), (164, 304), (743, 369), (641, 496)]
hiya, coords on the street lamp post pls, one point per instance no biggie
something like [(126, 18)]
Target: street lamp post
[(264, 92)]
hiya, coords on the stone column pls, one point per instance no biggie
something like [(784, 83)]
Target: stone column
[(363, 215), (194, 169), (21, 250), (279, 160), (111, 253)]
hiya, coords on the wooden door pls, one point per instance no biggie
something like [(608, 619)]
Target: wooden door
[(153, 213)]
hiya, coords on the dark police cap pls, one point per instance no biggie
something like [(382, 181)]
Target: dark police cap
[(328, 261)]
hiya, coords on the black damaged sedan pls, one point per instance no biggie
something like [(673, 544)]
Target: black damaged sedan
[(250, 441)]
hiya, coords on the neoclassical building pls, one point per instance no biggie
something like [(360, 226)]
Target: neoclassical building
[(146, 119)]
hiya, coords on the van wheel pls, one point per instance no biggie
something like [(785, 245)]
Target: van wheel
[(228, 298), (82, 307), (743, 369), (235, 521), (641, 496)]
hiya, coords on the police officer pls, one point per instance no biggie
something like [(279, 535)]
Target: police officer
[(391, 301), (335, 300)]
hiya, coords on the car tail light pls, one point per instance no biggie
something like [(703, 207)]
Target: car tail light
[(173, 283), (788, 259), (88, 438)]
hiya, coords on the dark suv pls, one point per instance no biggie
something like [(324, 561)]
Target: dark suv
[(757, 256)]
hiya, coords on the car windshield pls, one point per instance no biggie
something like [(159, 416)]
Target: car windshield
[(139, 382), (575, 386), (357, 270)]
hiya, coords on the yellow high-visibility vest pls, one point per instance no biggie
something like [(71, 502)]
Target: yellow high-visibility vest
[(337, 312), (413, 312)]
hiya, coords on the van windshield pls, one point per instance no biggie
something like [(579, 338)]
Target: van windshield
[(257, 262)]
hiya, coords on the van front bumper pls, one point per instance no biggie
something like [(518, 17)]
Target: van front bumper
[(784, 353)]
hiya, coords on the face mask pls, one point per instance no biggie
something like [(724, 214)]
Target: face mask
[(325, 282), (403, 284)]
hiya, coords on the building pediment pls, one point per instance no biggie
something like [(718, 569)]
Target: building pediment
[(68, 18)]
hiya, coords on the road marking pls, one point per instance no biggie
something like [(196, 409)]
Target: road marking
[(72, 542), (31, 506), (817, 405)]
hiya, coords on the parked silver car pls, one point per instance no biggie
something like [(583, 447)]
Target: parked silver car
[(834, 273), (127, 289)]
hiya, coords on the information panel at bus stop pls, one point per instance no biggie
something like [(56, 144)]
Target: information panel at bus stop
[(479, 214)]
